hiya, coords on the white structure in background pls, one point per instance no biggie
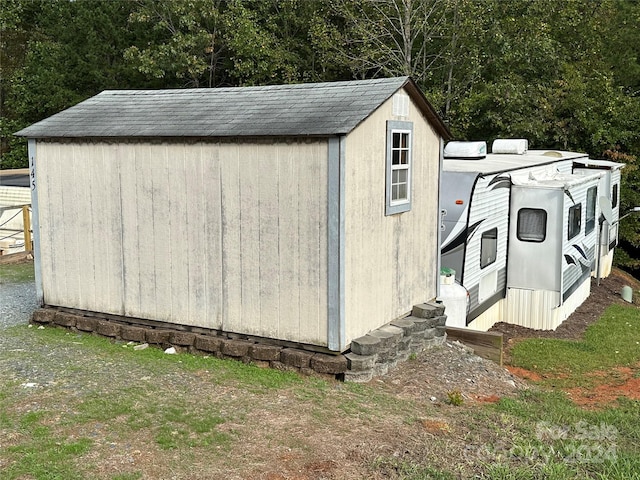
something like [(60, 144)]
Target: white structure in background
[(520, 229), (12, 199)]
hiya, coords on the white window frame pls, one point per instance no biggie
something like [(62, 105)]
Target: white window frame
[(394, 206)]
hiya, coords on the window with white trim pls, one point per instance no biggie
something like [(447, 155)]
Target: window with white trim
[(399, 162)]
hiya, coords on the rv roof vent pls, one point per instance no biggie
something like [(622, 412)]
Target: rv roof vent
[(552, 154), (518, 146), (467, 150)]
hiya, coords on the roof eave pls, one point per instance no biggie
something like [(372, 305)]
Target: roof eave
[(427, 109)]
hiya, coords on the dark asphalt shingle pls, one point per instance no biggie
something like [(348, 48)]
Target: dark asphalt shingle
[(282, 110)]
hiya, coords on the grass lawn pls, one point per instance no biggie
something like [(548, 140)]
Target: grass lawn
[(612, 341), (76, 406)]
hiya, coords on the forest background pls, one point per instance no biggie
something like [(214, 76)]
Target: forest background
[(563, 74)]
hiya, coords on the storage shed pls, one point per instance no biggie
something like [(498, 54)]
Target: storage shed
[(306, 213)]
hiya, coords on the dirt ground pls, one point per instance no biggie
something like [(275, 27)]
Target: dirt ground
[(621, 381), (353, 436), (607, 293), (439, 372), (436, 375)]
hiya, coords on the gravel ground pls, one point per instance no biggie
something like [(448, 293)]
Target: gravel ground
[(17, 302)]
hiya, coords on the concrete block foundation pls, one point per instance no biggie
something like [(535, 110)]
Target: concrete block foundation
[(371, 355)]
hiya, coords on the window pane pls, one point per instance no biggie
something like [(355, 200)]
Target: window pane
[(614, 197), (532, 225), (590, 223), (402, 191), (396, 140), (394, 192), (404, 157), (488, 247), (575, 221), (405, 140), (395, 157), (402, 175)]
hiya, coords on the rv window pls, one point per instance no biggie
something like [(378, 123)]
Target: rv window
[(614, 196), (398, 183), (488, 247), (575, 221), (532, 225), (590, 223)]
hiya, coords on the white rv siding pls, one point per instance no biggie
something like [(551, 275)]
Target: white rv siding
[(226, 236), (391, 261), (489, 207)]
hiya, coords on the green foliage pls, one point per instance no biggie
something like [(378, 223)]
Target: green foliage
[(628, 256), (562, 74), (394, 468), (17, 273), (42, 454), (611, 341), (454, 397)]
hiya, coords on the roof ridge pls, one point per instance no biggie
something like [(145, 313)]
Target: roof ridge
[(249, 88)]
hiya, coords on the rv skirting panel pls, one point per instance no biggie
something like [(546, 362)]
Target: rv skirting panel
[(488, 318), (606, 263), (538, 309)]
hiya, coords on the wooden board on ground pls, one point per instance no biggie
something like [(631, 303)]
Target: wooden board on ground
[(485, 344)]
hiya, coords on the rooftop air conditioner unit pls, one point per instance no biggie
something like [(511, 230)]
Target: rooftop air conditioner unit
[(517, 146), (466, 150)]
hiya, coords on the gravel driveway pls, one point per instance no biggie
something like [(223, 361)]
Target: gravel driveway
[(17, 302)]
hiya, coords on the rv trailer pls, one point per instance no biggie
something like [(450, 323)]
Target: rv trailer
[(552, 247), (480, 197), (609, 188)]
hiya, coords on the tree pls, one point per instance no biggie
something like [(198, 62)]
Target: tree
[(386, 37), (62, 53), (208, 43)]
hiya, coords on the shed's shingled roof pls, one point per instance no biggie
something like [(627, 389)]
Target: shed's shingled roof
[(280, 110)]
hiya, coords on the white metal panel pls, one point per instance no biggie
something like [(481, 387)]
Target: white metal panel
[(488, 209), (486, 320), (541, 309), (14, 196), (531, 308)]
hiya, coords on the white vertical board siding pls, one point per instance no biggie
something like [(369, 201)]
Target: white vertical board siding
[(391, 261), (310, 227), (228, 236)]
